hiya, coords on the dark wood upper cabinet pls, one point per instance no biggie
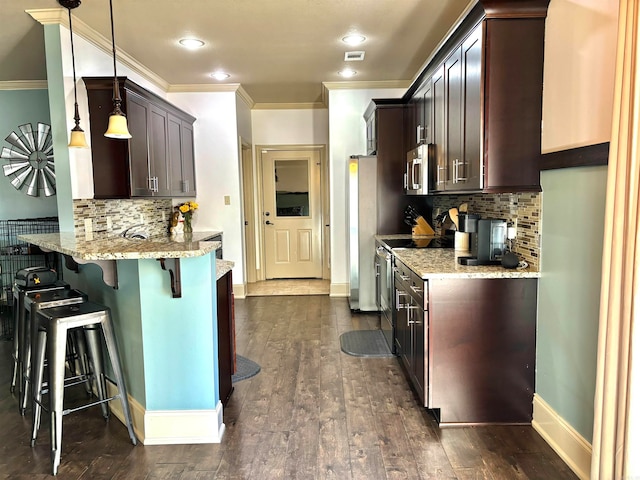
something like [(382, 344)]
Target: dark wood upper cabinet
[(158, 159), (481, 97)]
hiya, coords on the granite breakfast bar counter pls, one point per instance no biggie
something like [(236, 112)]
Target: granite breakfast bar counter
[(168, 344)]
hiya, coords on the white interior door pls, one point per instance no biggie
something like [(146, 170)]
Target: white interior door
[(292, 214)]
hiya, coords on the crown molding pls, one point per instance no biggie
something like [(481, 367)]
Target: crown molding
[(289, 106), (24, 85), (246, 98), (367, 85), (51, 16), (203, 87)]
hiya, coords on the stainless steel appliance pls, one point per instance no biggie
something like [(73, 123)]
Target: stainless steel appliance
[(362, 224), (384, 292), (416, 177), (488, 240)]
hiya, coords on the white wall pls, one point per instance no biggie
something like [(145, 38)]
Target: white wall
[(347, 136), (217, 168), (579, 65), (290, 127)]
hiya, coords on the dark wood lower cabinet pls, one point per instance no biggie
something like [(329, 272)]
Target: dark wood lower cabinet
[(479, 350), (226, 336)]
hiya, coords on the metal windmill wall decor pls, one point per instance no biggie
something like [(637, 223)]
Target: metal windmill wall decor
[(30, 160)]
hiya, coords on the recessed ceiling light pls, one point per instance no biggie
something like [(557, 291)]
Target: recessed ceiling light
[(347, 72), (354, 39), (191, 43), (220, 75)]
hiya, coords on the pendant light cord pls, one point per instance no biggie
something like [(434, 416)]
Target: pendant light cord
[(73, 58), (116, 87)]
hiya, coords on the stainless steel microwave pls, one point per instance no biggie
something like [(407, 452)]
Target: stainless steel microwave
[(416, 177)]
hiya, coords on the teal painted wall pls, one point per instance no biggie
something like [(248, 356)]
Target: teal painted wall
[(180, 336), (57, 107), (573, 204), (126, 313), (19, 107)]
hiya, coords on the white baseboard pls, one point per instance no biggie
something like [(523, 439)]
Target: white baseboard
[(171, 427), (339, 290), (240, 290), (562, 437)]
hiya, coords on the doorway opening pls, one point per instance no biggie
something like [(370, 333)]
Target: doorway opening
[(290, 211)]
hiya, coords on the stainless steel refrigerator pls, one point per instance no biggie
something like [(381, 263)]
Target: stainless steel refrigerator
[(362, 223)]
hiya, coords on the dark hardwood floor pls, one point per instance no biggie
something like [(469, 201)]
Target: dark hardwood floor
[(313, 412)]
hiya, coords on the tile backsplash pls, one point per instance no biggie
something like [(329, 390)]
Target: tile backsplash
[(113, 216), (522, 209)]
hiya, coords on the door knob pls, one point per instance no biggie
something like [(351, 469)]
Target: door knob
[(268, 222)]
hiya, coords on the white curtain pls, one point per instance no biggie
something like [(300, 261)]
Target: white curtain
[(615, 437)]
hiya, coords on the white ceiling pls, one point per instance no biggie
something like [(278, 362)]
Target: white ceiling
[(280, 51)]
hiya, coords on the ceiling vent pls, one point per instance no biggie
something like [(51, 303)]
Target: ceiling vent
[(354, 56)]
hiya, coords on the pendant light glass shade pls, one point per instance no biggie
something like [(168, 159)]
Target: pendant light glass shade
[(117, 127), (76, 138)]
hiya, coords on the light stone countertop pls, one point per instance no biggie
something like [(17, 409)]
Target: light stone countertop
[(115, 247), (434, 263), (223, 267)]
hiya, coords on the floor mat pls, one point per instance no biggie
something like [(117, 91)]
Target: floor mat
[(245, 368), (365, 343)]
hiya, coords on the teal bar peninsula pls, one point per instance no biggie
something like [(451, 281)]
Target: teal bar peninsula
[(162, 295)]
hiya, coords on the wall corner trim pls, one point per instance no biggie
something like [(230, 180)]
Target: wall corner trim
[(339, 290), (562, 437)]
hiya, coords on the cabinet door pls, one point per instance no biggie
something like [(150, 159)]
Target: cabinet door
[(158, 155), (138, 119), (188, 159), (439, 164), (418, 350), (471, 91), (453, 115), (403, 330), (181, 161)]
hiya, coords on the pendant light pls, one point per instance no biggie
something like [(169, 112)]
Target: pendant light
[(77, 138), (117, 120)]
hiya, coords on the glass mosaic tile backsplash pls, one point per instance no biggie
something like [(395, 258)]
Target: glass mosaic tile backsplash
[(114, 216)]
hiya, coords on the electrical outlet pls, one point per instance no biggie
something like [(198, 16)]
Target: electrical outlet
[(109, 224), (164, 216), (88, 225), (227, 200), (141, 218)]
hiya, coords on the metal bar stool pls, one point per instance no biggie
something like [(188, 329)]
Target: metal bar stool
[(19, 293), (33, 302), (52, 327)]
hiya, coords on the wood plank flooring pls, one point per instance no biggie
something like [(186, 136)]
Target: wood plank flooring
[(312, 412)]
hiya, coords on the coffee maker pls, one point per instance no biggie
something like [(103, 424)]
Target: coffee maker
[(487, 239)]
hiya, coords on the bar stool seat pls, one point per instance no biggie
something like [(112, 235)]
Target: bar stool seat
[(19, 293), (33, 302), (50, 339)]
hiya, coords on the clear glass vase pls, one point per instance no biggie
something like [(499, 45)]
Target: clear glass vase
[(188, 228)]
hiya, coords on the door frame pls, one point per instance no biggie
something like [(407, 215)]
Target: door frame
[(324, 199), (248, 210)]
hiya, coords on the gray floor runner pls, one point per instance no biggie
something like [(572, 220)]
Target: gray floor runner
[(365, 343), (245, 368)]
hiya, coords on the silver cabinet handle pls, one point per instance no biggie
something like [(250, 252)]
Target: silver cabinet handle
[(416, 289), (155, 184), (456, 166), (438, 181), (419, 137), (414, 162), (185, 186)]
